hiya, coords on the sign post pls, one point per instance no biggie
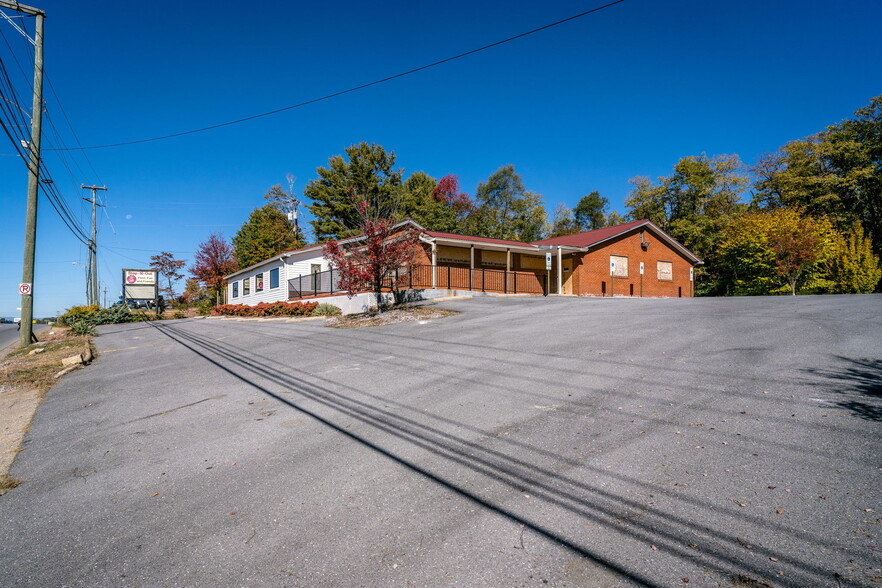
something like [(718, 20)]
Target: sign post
[(612, 278), (691, 282), (547, 272), (641, 279)]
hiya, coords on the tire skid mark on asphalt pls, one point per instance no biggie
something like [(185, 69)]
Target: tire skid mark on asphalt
[(164, 412)]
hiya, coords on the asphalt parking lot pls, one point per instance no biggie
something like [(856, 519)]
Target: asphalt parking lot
[(523, 442)]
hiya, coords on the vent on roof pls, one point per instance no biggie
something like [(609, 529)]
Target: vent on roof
[(644, 244)]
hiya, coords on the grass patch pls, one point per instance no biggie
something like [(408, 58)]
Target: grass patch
[(396, 315), (21, 369)]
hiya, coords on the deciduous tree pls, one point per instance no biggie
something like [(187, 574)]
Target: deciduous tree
[(365, 263), (266, 233), (854, 268), (166, 264), (213, 260), (506, 210), (774, 252), (563, 222)]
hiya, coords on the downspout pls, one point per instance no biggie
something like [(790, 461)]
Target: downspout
[(284, 275)]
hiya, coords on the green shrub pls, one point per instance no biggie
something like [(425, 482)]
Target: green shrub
[(82, 327), (205, 307), (325, 309), (178, 314), (78, 313)]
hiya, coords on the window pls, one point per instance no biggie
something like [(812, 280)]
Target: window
[(665, 271), (621, 265), (235, 289), (246, 286), (274, 278), (258, 282)]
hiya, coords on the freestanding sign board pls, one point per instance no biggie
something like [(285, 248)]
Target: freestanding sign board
[(138, 284)]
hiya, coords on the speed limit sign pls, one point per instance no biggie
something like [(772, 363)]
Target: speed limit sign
[(24, 289)]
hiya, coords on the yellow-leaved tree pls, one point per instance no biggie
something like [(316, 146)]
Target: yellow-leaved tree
[(776, 252), (854, 268)]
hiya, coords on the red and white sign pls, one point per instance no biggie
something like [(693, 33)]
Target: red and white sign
[(24, 289), (140, 277)]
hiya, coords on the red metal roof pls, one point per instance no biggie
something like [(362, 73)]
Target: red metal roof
[(591, 237), (455, 237)]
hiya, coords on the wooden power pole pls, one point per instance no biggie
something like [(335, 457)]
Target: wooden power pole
[(92, 295), (26, 288)]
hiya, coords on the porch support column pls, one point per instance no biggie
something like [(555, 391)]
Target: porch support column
[(559, 271), (434, 265), (472, 267)]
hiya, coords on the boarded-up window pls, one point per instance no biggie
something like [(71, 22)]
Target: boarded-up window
[(621, 270), (665, 271), (533, 262), (494, 258), (453, 255)]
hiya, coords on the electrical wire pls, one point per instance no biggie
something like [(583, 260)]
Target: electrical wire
[(353, 88)]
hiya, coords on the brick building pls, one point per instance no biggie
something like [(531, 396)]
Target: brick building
[(632, 259)]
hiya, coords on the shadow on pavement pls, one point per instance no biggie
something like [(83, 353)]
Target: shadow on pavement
[(592, 502)]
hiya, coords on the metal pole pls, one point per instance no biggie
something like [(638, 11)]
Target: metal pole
[(26, 331)]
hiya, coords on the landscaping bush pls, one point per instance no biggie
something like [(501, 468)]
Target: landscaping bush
[(82, 327), (204, 307), (77, 313), (263, 309), (82, 320), (325, 309)]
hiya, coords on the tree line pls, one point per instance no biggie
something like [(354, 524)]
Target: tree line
[(806, 218)]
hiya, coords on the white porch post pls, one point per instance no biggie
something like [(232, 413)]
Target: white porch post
[(472, 267), (434, 265), (559, 271)]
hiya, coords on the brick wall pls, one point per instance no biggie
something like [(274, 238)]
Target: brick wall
[(591, 270)]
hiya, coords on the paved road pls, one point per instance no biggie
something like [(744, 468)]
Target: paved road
[(524, 442), (9, 335)]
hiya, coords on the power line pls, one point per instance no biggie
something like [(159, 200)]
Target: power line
[(348, 90)]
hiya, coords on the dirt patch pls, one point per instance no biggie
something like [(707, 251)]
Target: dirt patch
[(25, 377), (397, 315)]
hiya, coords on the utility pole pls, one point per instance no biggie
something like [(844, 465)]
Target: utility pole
[(92, 293), (26, 332)]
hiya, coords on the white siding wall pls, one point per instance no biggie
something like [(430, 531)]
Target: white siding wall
[(295, 265), (268, 294)]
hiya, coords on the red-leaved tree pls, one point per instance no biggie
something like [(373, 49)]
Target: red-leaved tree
[(795, 248), (365, 262), (214, 260), (448, 193)]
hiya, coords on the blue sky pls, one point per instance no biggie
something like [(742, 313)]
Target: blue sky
[(583, 106)]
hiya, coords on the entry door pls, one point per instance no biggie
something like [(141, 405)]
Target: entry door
[(316, 277), (567, 278)]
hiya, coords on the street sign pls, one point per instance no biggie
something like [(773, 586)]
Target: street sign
[(548, 260), (641, 268), (690, 274), (24, 289), (612, 267)]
